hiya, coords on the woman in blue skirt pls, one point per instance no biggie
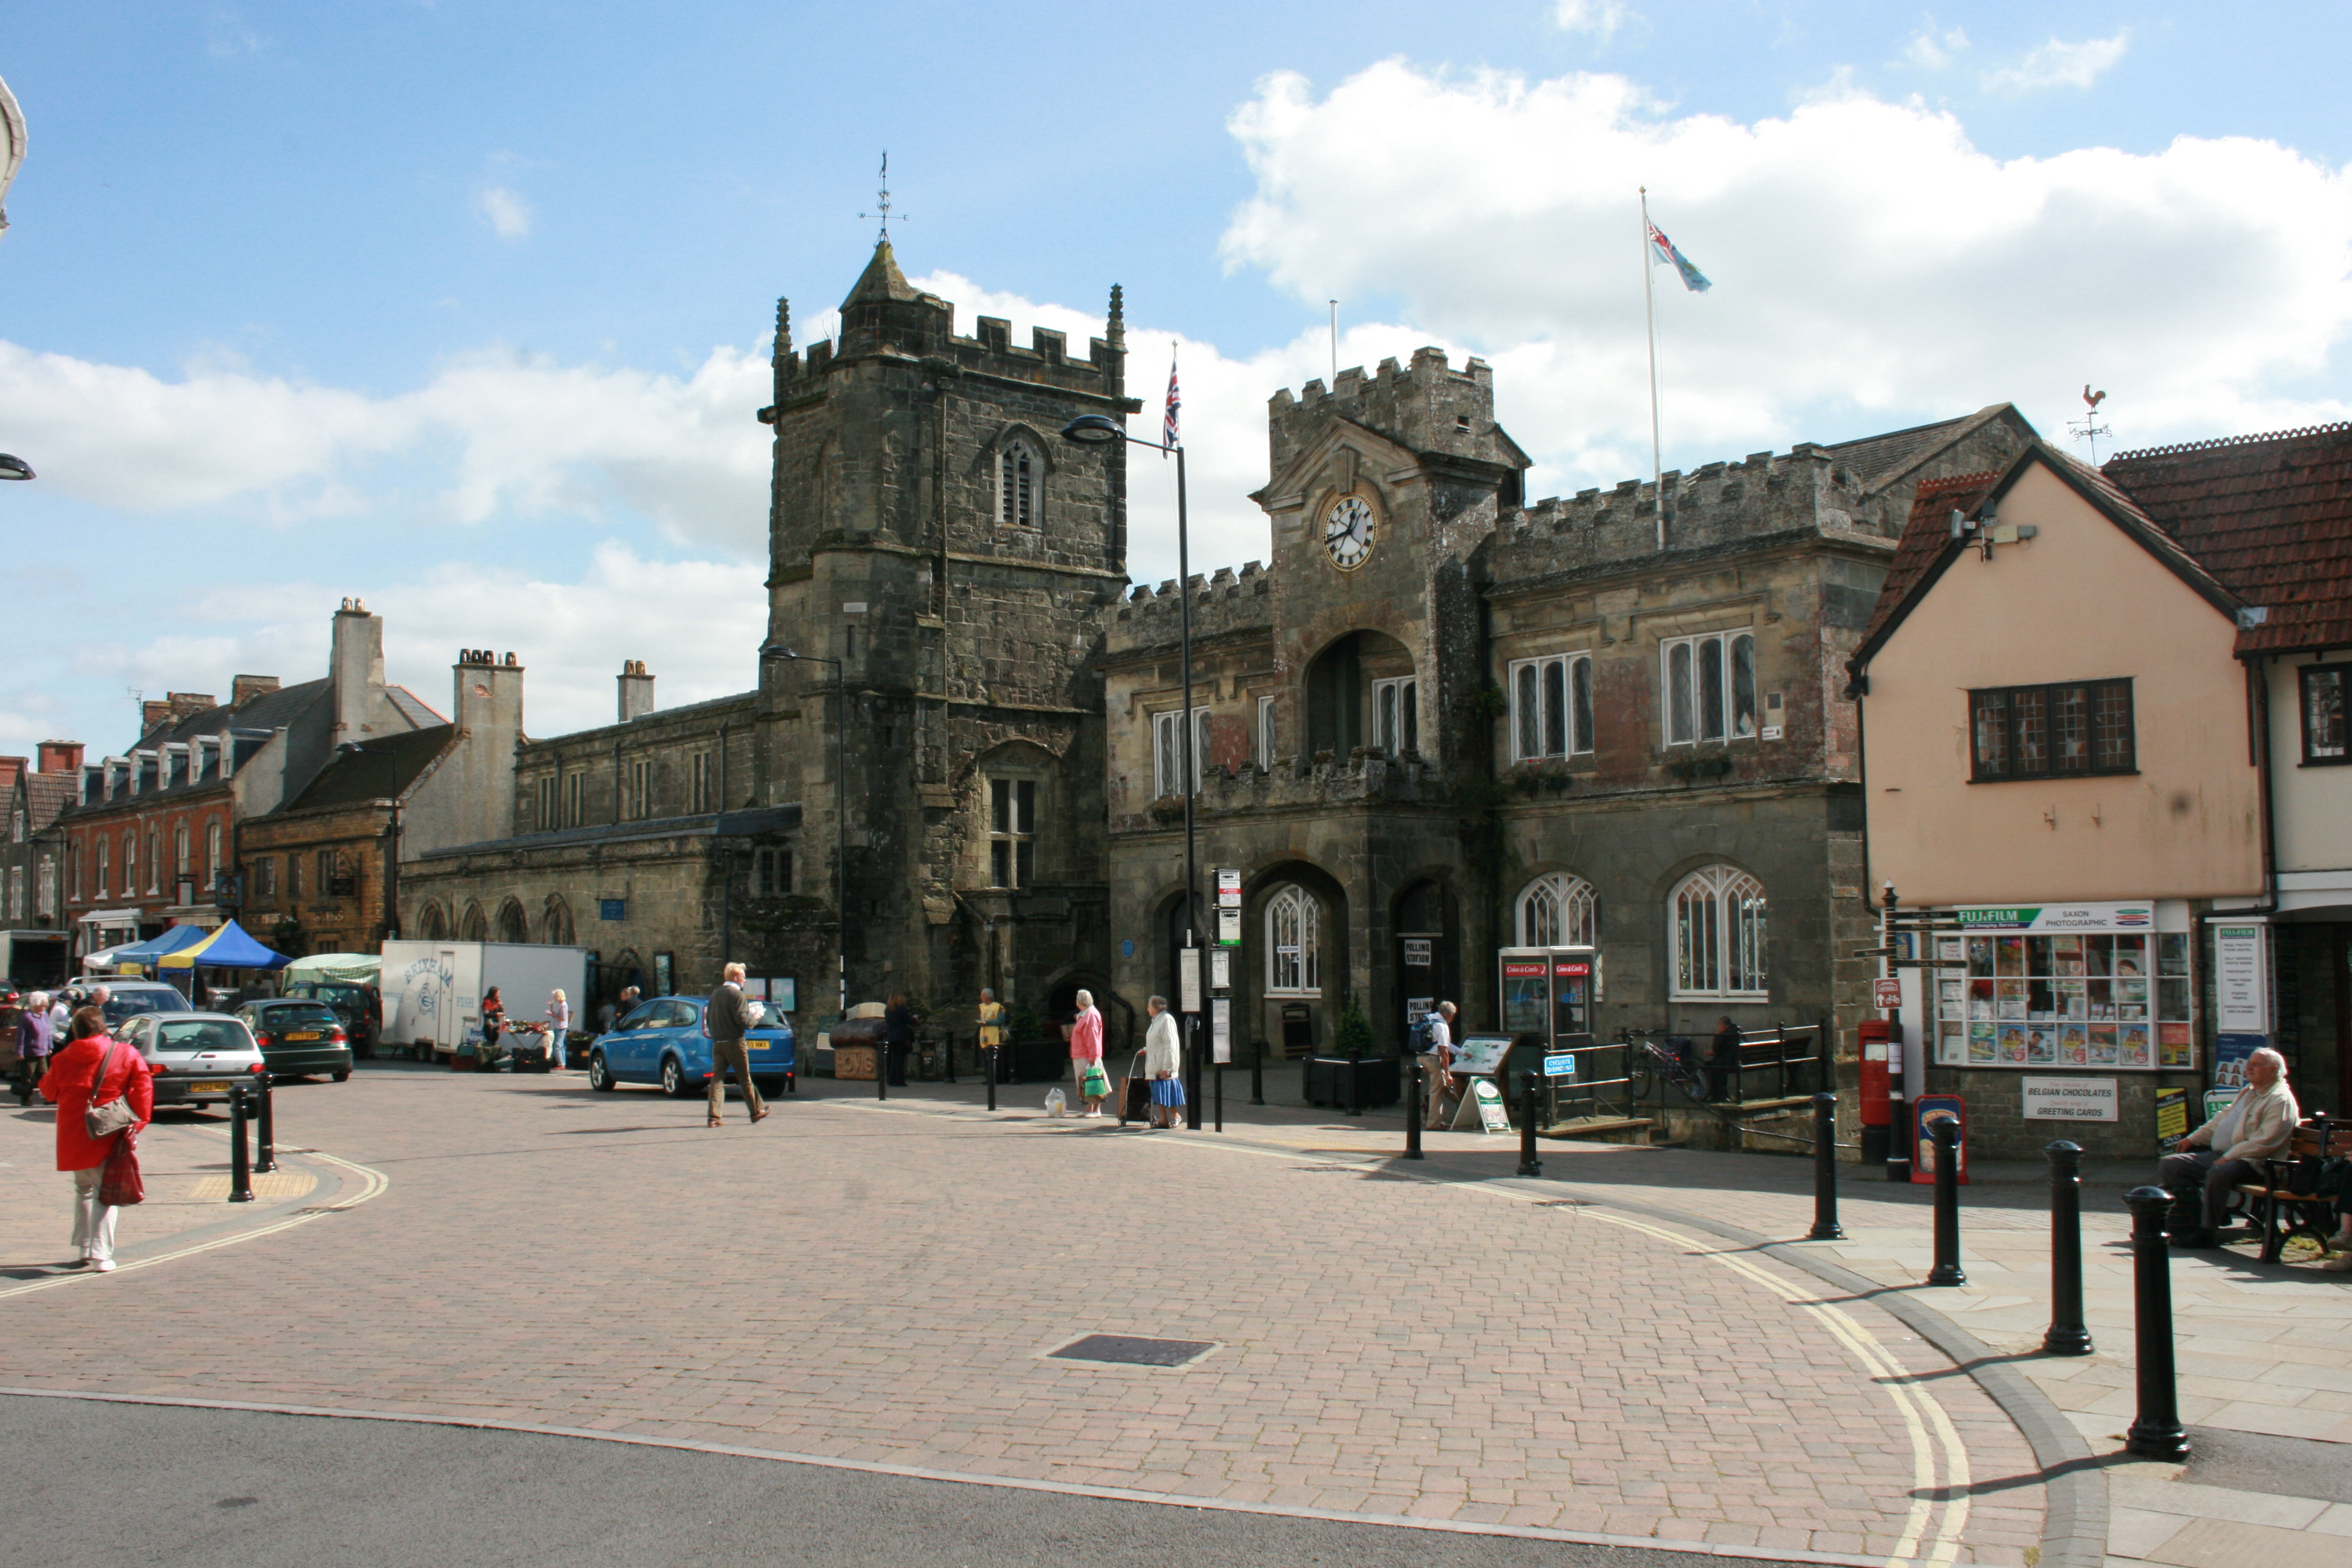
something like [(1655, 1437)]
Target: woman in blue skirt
[(1163, 1064)]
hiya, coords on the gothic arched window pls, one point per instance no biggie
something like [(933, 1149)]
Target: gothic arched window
[(1556, 911), (1716, 919), (1293, 924), (1018, 468)]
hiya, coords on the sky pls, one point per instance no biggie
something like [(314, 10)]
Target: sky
[(464, 309)]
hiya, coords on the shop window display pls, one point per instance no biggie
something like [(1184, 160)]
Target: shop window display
[(2089, 1000)]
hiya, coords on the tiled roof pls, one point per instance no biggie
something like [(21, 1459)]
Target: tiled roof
[(417, 712), (46, 794), (1927, 545), (389, 766), (1924, 535), (1876, 458), (265, 712), (2271, 516)]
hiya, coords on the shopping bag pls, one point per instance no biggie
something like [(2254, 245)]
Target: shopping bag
[(119, 1184), (1098, 1082), (1056, 1103)]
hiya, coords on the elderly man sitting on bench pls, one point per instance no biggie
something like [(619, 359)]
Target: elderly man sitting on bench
[(2229, 1148)]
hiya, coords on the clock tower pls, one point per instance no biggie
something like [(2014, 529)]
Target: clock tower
[(1384, 486)]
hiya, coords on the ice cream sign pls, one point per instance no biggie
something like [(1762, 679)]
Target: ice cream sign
[(2057, 917)]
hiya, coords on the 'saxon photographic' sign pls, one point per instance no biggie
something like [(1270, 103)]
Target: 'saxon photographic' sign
[(2057, 917)]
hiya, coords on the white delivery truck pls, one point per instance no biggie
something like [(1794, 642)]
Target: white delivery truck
[(36, 960), (432, 990)]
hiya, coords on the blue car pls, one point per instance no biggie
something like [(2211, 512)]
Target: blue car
[(663, 1041)]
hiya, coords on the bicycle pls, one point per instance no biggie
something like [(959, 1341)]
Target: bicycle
[(1647, 1062)]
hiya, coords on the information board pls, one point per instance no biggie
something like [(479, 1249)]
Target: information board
[(1480, 1054), (1188, 979), (1221, 1028), (2241, 978)]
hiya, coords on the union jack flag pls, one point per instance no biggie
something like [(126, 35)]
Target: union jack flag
[(1168, 437)]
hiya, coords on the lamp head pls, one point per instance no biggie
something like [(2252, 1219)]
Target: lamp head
[(777, 650), (1092, 430), (11, 468)]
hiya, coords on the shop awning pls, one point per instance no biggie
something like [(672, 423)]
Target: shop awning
[(227, 948)]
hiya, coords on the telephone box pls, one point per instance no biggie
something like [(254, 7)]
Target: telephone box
[(1547, 994)]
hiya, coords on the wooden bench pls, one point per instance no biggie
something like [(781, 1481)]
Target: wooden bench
[(2291, 1202)]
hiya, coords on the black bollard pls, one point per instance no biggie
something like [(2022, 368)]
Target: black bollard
[(1413, 1113), (2067, 1334), (1528, 1164), (1257, 1072), (1825, 1219), (1945, 1131), (991, 1078), (1356, 1083), (1220, 1070), (265, 1155), (240, 1165), (2156, 1434), (881, 1068)]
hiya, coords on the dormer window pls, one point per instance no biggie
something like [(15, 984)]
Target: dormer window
[(1017, 467)]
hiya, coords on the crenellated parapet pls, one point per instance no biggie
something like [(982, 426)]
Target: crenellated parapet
[(1427, 406), (1224, 603)]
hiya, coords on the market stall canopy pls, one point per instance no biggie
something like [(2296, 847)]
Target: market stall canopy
[(173, 940), (338, 968), (227, 948)]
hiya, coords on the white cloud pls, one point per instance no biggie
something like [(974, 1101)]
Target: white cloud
[(1931, 50), (510, 433), (1872, 265), (2060, 64), (509, 214), (1602, 17), (697, 624)]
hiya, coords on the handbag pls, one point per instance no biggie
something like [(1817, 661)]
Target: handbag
[(118, 1182), (106, 1121), (1098, 1082)]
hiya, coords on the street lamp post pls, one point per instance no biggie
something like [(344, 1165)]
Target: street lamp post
[(1100, 431), (840, 839)]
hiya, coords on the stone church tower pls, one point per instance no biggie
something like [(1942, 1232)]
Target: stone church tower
[(932, 532)]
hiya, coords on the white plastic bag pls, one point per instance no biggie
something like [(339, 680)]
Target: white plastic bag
[(1056, 1103)]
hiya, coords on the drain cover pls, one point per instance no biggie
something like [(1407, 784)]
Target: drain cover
[(1127, 1351)]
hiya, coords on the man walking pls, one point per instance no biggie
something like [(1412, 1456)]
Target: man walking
[(727, 1017), (1436, 1059)]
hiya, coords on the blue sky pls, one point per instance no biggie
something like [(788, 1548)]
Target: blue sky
[(465, 308)]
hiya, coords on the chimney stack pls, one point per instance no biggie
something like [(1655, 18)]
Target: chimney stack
[(153, 714), (243, 688), (356, 670), (60, 756), (636, 689), (11, 770)]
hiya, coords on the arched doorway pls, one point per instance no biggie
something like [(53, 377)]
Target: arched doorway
[(512, 927), (432, 925), (1428, 952), (1294, 937), (475, 928)]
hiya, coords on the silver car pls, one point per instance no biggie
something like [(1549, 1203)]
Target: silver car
[(195, 1058)]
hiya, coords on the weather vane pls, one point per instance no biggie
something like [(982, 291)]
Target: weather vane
[(2088, 428), (882, 199)]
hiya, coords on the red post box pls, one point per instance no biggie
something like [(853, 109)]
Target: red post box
[(1874, 1036)]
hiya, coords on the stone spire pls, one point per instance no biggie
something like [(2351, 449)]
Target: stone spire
[(784, 357), (1117, 333), (881, 280)]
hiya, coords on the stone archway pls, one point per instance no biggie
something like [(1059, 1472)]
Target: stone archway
[(1344, 685), (476, 926), (512, 927)]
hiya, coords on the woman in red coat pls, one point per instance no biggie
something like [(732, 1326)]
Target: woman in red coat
[(69, 1085)]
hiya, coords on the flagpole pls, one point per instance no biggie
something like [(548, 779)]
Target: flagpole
[(1650, 331)]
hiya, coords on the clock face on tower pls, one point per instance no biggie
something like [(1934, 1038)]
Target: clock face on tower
[(1347, 532)]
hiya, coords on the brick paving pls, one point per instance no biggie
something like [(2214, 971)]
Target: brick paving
[(880, 1284)]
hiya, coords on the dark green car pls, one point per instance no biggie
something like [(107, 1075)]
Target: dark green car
[(298, 1037)]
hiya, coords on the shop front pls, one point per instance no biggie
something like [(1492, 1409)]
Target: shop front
[(2061, 1020)]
